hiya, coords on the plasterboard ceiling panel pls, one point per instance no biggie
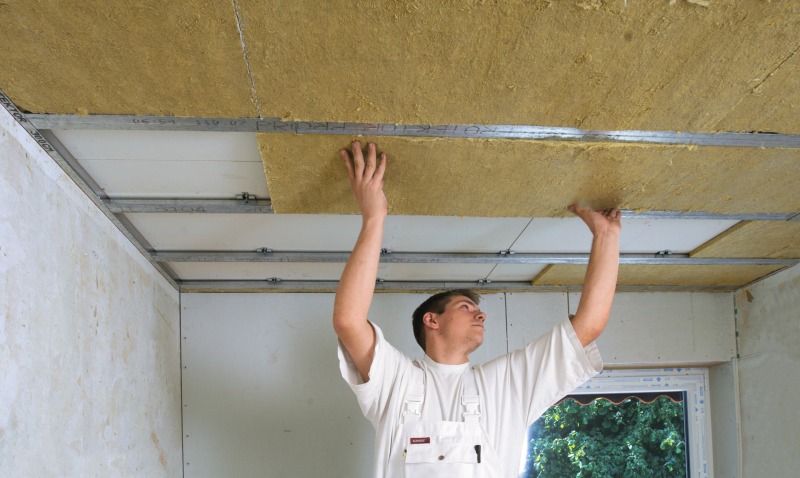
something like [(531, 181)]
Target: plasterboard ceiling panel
[(516, 272), (302, 232), (434, 272), (146, 57), (160, 145), (666, 275), (549, 63), (570, 235), (775, 239), (257, 271), (518, 178), (177, 179), (247, 232), (451, 234)]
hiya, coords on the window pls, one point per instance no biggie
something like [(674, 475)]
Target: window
[(648, 423)]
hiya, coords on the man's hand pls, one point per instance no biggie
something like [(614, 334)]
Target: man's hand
[(366, 179), (599, 222), (357, 285), (601, 274)]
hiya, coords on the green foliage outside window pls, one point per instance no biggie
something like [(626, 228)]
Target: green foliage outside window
[(601, 439)]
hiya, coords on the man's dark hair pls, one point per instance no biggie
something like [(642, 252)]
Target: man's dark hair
[(436, 304)]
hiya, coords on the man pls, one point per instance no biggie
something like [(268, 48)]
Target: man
[(438, 416)]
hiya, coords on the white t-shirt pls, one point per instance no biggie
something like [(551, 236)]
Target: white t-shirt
[(514, 390)]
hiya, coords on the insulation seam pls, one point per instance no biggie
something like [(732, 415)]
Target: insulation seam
[(253, 92)]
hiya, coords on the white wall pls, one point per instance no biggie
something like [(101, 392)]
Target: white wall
[(724, 391), (89, 333), (768, 316), (263, 396)]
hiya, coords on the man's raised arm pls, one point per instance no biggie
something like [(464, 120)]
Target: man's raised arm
[(601, 274), (356, 287)]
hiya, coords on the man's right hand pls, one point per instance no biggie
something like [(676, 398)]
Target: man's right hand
[(366, 179)]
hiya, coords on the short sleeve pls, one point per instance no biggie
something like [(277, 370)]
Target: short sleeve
[(547, 369), (388, 364)]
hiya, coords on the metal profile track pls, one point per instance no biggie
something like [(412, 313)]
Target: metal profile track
[(529, 132), (456, 258), (114, 207), (264, 206), (190, 206), (409, 287)]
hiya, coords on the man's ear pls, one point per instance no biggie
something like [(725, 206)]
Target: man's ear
[(430, 320)]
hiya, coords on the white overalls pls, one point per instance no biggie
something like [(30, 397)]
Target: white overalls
[(443, 448)]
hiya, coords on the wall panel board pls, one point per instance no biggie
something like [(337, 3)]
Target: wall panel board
[(262, 390), (768, 317)]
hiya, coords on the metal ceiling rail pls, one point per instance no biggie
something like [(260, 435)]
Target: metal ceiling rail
[(632, 214), (264, 206), (79, 176), (196, 286), (225, 206), (456, 258), (275, 125)]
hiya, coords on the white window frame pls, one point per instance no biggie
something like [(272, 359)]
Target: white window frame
[(693, 381)]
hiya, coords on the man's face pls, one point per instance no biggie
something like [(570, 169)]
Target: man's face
[(462, 322)]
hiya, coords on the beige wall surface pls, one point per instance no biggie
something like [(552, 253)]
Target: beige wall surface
[(768, 315), (89, 333)]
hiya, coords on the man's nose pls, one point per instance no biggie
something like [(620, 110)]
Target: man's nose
[(481, 316)]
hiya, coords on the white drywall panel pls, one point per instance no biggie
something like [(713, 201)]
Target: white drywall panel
[(303, 232), (137, 178), (161, 145), (723, 397), (89, 333), (638, 235), (531, 315), (257, 270), (262, 390), (661, 329), (451, 234), (248, 232), (434, 272), (768, 316), (263, 395)]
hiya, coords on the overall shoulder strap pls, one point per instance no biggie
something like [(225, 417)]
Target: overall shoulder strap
[(470, 400), (412, 406)]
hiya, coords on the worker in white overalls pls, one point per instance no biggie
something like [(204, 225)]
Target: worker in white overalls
[(439, 416)]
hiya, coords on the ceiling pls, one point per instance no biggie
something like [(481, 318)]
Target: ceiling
[(632, 105)]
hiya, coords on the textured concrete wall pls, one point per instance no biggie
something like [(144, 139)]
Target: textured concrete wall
[(89, 333), (769, 380)]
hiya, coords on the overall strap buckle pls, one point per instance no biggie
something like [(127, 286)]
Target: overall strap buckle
[(412, 408)]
